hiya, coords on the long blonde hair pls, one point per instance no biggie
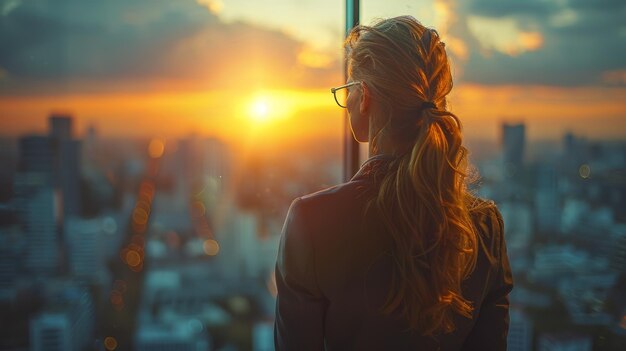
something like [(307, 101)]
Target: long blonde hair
[(423, 197)]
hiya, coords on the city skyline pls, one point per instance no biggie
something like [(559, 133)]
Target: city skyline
[(200, 66)]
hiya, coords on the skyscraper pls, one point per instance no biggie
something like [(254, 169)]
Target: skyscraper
[(513, 143), (68, 176), (520, 337), (84, 238), (66, 162), (50, 332), (70, 326), (547, 202), (60, 126), (36, 154), (36, 204), (36, 210)]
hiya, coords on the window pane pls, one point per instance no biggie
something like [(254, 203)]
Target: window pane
[(149, 152), (540, 92)]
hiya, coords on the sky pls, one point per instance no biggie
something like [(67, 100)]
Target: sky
[(231, 68)]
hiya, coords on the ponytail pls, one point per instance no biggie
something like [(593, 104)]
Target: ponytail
[(424, 205)]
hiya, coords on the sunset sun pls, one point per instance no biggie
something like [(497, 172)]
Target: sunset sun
[(260, 109)]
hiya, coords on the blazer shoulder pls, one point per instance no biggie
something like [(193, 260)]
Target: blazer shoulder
[(485, 213), (341, 194), (489, 227)]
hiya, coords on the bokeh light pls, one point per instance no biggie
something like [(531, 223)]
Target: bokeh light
[(156, 148), (140, 216), (211, 247), (133, 258), (110, 343), (584, 171)]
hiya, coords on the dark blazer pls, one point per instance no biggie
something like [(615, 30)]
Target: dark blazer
[(333, 275)]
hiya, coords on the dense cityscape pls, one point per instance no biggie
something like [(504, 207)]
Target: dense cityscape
[(170, 245)]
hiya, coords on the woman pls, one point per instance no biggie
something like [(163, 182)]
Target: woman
[(402, 257)]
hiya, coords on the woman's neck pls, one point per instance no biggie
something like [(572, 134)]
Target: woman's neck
[(382, 146), (385, 144)]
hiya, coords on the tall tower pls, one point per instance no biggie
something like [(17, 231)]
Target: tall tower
[(36, 155), (66, 163), (36, 204), (513, 143), (85, 244), (547, 201), (60, 126), (43, 254)]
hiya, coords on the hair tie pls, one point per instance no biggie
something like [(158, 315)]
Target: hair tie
[(426, 105)]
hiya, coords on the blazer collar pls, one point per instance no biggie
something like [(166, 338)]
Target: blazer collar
[(370, 165)]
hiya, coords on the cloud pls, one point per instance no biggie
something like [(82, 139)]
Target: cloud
[(214, 6), (509, 39), (9, 5), (64, 44), (506, 8), (558, 43)]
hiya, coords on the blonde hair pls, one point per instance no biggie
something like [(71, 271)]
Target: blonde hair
[(423, 197)]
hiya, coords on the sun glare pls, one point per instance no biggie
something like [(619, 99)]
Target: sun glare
[(260, 109), (269, 107)]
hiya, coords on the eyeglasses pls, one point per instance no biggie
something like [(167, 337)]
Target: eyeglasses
[(341, 93)]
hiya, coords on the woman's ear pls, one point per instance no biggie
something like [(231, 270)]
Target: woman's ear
[(366, 97)]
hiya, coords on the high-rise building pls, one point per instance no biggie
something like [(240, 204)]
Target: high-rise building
[(60, 126), (85, 246), (618, 255), (161, 337), (564, 342), (10, 253), (513, 143), (79, 304), (37, 204), (68, 176), (239, 249), (520, 337), (204, 163), (547, 202), (36, 154), (70, 327), (66, 162), (42, 254), (518, 230), (56, 155), (50, 332)]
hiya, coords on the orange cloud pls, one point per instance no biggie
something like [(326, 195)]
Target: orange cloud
[(530, 41), (504, 35), (445, 16), (215, 6)]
